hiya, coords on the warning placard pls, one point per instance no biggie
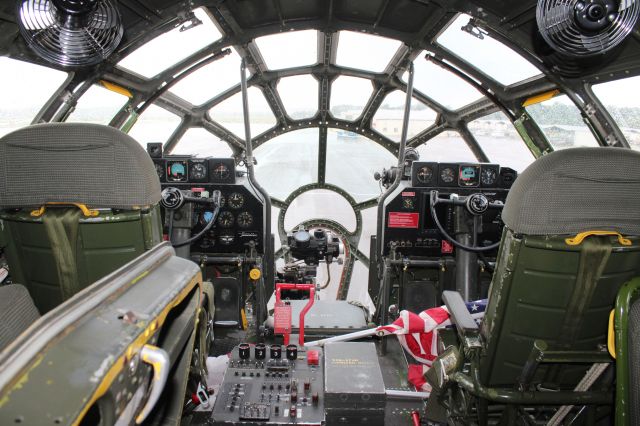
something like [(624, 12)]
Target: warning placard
[(282, 318), (404, 220)]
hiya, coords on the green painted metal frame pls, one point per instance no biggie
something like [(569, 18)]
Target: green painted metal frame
[(628, 294)]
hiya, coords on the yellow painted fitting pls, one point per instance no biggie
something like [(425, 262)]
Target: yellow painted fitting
[(243, 317), (611, 337), (86, 211), (115, 88), (543, 97), (578, 239), (255, 274)]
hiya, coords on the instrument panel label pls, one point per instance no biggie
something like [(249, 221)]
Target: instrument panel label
[(404, 220)]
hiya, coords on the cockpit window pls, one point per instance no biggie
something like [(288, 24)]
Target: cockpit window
[(201, 143), (229, 113), (486, 53), (290, 49), (154, 125), (171, 47), (441, 85), (561, 122), (97, 105), (210, 80), (388, 119), (364, 51), (25, 89), (320, 204), (355, 176), (447, 146), (501, 142), (349, 96), (620, 99), (299, 95), (288, 162)]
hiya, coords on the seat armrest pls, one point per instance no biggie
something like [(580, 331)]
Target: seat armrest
[(467, 328), (458, 311)]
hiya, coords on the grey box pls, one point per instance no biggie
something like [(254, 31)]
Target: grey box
[(353, 379)]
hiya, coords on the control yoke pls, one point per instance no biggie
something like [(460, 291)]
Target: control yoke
[(476, 205)]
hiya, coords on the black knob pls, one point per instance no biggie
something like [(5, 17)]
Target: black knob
[(244, 351), (477, 204), (292, 352), (302, 238), (260, 351), (276, 351)]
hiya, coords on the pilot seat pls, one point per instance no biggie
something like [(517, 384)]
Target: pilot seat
[(571, 241), (77, 201)]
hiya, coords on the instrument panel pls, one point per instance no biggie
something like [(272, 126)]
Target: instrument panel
[(465, 175), (408, 221), (183, 169), (240, 220)]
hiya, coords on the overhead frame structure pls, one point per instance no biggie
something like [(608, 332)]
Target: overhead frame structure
[(416, 23)]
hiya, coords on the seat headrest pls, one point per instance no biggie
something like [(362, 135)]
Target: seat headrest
[(577, 190), (75, 162)]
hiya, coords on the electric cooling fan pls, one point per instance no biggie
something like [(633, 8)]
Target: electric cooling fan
[(584, 28), (71, 33)]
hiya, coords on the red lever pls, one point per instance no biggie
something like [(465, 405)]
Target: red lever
[(312, 293)]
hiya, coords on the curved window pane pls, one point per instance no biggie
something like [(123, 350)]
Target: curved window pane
[(365, 51), (25, 89), (171, 47), (229, 113), (299, 95), (561, 122), (501, 142), (359, 288), (154, 125), (288, 162), (290, 49), (441, 85), (201, 143), (388, 119), (210, 80), (349, 96), (486, 54), (624, 109), (369, 224), (320, 204), (351, 161), (446, 147), (97, 105), (275, 212)]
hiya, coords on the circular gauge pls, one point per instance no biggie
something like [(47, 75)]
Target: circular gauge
[(198, 171), (489, 177), (221, 171), (425, 174), (226, 239), (159, 170), (226, 219), (236, 200), (408, 203), (245, 220), (205, 217), (447, 175)]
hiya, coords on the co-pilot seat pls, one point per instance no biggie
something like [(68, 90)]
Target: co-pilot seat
[(77, 201), (556, 276)]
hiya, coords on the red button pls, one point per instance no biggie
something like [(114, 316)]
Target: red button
[(313, 357)]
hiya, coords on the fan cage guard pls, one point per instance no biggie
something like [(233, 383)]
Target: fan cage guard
[(558, 26), (41, 26)]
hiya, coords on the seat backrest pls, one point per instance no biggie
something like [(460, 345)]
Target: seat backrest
[(57, 253), (546, 288), (17, 313)]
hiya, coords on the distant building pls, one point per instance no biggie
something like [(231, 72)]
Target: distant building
[(389, 122)]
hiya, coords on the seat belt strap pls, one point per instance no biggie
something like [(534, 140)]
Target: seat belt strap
[(62, 227)]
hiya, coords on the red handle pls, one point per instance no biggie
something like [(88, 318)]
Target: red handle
[(312, 293)]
